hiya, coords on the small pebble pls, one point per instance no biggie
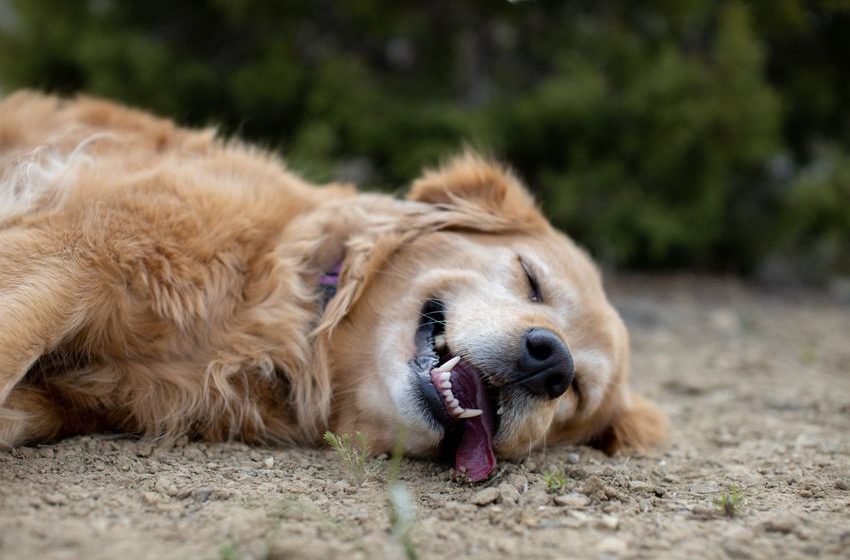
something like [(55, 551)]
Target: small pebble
[(572, 500), (151, 498), (782, 525), (201, 494), (55, 499), (519, 482), (508, 493), (484, 497)]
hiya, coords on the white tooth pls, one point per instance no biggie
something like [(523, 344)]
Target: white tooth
[(456, 411), (471, 413), (500, 411), (448, 394), (440, 341), (445, 384), (449, 365), (454, 402), (445, 376)]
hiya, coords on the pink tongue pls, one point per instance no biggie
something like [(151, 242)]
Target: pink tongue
[(474, 455)]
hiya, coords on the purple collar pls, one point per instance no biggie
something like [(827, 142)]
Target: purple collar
[(328, 283), (331, 277)]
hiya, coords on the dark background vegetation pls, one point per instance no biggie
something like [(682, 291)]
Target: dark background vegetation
[(702, 134)]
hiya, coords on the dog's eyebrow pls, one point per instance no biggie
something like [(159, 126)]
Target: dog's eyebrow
[(536, 293)]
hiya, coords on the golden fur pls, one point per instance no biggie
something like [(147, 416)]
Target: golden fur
[(159, 281)]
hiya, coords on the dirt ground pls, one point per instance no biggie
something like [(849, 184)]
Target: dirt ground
[(756, 384)]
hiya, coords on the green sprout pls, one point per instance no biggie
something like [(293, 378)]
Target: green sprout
[(354, 454), (555, 480), (727, 503)]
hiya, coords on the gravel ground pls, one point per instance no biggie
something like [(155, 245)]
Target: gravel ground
[(756, 383)]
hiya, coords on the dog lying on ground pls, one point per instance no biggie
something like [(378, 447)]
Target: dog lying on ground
[(160, 282)]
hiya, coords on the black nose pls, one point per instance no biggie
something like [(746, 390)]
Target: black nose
[(545, 367)]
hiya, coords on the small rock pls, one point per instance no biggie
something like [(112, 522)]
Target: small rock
[(572, 500), (592, 485), (340, 486), (269, 462), (536, 497), (843, 484), (202, 494), (782, 525), (639, 485), (165, 486), (484, 497), (46, 453), (508, 493), (573, 458), (55, 499), (151, 498), (609, 522), (519, 482)]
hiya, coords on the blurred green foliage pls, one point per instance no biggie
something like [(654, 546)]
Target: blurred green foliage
[(668, 133)]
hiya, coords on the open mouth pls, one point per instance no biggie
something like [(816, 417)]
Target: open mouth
[(458, 396)]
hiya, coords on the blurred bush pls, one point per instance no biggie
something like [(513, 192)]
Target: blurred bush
[(696, 133)]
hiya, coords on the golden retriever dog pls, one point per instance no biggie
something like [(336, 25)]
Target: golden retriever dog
[(161, 282)]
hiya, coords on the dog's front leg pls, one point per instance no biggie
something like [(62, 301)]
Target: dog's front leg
[(43, 294)]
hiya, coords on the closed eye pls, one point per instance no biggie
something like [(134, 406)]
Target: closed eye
[(536, 295)]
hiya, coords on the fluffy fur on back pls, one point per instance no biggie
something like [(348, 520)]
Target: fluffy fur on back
[(160, 281), (150, 282)]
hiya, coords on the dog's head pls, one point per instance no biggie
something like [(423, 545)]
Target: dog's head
[(480, 330)]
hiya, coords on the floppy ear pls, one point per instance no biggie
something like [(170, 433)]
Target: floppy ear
[(469, 179), (634, 424)]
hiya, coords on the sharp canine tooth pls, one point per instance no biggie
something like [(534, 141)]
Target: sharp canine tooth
[(470, 413), (445, 375), (449, 365)]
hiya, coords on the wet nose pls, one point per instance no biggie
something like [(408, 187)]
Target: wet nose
[(545, 367)]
